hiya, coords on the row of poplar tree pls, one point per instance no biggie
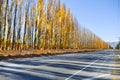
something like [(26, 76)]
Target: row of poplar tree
[(42, 24)]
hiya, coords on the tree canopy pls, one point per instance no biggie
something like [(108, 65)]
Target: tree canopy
[(40, 24), (117, 47)]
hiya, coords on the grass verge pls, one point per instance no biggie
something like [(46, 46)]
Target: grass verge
[(5, 55)]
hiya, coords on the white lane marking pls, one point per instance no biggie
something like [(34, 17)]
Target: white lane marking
[(85, 67), (81, 70), (100, 76)]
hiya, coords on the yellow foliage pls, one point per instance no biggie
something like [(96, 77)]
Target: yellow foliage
[(48, 26)]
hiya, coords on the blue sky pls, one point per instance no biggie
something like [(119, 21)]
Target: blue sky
[(102, 17)]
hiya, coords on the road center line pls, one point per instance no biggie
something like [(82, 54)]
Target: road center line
[(83, 68), (104, 75)]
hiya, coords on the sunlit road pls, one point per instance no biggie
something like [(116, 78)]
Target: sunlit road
[(100, 65)]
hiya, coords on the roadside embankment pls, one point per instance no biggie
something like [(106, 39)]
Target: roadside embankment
[(5, 55)]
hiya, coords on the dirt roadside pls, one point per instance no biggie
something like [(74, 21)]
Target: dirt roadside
[(5, 55)]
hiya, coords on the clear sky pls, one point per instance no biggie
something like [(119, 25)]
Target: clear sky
[(102, 17)]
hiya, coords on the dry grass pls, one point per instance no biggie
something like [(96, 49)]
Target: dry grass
[(38, 53), (116, 50)]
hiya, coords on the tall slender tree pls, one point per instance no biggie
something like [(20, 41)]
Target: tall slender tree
[(14, 24), (40, 24), (1, 14)]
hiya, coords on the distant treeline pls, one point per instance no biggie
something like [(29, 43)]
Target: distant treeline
[(118, 45), (43, 24)]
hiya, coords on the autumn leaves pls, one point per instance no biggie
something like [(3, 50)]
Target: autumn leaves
[(40, 24)]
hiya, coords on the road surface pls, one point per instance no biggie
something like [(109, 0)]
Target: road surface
[(99, 65)]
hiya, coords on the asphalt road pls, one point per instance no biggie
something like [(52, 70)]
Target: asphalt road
[(99, 65)]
